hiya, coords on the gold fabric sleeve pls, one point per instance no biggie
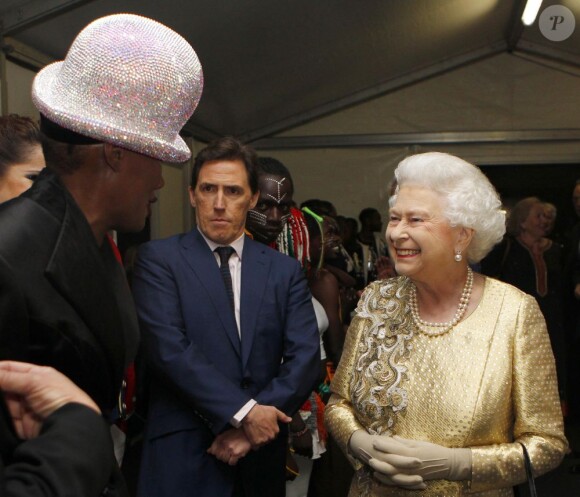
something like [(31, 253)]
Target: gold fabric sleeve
[(538, 418), (339, 416)]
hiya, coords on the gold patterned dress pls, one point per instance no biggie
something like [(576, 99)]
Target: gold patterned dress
[(486, 384)]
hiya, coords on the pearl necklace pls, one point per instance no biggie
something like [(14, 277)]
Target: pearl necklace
[(442, 328)]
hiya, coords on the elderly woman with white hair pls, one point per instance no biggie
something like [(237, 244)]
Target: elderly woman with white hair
[(445, 373)]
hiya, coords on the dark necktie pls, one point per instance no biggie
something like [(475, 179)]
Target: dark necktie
[(225, 254)]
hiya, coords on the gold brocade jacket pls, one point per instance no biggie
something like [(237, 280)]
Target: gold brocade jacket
[(488, 383)]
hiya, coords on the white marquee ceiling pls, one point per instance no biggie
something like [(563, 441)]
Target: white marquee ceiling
[(272, 65)]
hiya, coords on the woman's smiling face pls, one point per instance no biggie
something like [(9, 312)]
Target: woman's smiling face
[(421, 241)]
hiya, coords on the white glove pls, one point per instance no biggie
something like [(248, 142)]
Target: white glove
[(390, 469), (435, 461)]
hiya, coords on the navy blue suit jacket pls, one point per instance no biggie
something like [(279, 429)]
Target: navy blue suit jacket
[(203, 374)]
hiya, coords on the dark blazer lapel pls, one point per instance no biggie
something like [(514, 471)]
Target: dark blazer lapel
[(77, 271), (202, 262), (255, 270)]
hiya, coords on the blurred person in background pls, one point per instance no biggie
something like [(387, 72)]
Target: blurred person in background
[(572, 307), (530, 261), (550, 213), (376, 263), (21, 158)]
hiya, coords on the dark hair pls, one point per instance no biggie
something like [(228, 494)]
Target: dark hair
[(321, 207), (17, 136), (312, 225), (62, 158), (269, 165), (366, 214), (227, 148), (353, 223)]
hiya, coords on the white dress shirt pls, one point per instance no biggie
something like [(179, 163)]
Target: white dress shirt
[(235, 264)]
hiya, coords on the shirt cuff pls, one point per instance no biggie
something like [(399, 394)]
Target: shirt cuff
[(236, 421)]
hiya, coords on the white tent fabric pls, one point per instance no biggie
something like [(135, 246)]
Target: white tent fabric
[(475, 85), (501, 93), (504, 93)]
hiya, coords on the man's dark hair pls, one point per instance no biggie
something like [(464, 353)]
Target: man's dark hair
[(353, 223), (62, 158), (269, 165), (366, 214), (229, 149), (63, 149)]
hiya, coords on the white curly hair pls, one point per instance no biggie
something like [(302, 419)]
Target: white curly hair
[(470, 200)]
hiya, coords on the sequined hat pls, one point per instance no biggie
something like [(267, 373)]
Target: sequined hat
[(126, 80)]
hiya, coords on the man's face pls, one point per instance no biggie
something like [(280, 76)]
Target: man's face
[(141, 177), (576, 199), (267, 219), (222, 199)]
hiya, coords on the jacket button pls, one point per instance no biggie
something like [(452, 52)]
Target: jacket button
[(245, 384)]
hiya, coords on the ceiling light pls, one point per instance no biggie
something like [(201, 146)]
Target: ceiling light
[(531, 11)]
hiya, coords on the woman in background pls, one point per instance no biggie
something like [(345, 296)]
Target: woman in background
[(324, 235), (530, 261), (331, 472), (21, 156)]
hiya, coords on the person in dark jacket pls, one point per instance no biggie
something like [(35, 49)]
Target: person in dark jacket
[(53, 441), (106, 131), (111, 113)]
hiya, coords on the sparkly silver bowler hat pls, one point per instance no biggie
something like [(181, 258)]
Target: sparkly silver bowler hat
[(126, 80)]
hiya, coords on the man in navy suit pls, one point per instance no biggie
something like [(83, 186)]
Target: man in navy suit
[(232, 340)]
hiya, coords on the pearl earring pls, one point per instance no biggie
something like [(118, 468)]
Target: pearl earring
[(458, 257)]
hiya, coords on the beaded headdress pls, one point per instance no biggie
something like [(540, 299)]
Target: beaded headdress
[(293, 240), (126, 80)]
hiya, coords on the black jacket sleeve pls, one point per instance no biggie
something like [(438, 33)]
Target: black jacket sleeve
[(72, 457)]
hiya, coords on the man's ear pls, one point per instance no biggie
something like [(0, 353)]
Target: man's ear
[(113, 155), (191, 196), (254, 199)]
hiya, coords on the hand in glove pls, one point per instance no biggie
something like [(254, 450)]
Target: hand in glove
[(435, 461), (390, 469)]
